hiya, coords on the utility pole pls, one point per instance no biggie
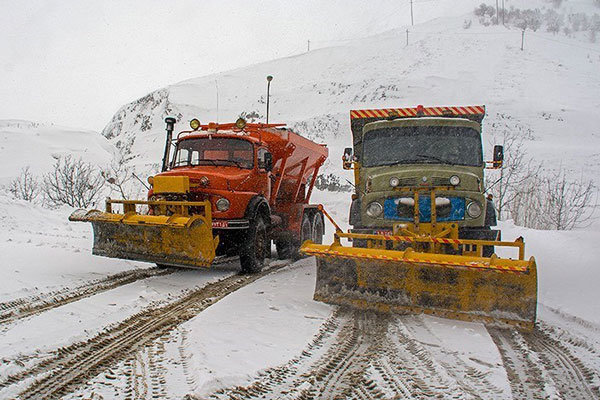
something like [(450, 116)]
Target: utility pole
[(497, 21), (407, 37), (308, 48), (522, 38), (412, 20), (269, 79), (502, 12)]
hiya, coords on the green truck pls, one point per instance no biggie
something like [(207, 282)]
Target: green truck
[(436, 147), (423, 237)]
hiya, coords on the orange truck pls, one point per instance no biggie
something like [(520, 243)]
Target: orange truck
[(228, 189)]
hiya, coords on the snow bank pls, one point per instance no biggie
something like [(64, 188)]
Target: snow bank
[(568, 268)]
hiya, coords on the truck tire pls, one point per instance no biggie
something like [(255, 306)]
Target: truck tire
[(288, 248), (306, 233), (318, 228), (252, 251)]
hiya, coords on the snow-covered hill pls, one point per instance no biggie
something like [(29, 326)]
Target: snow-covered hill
[(549, 90), (37, 146)]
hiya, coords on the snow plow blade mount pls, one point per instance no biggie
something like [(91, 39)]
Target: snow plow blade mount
[(178, 239)]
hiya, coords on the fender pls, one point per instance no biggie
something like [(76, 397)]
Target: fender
[(258, 204)]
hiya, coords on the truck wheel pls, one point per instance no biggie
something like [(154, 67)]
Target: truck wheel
[(305, 228), (306, 233), (252, 252), (288, 248), (318, 228)]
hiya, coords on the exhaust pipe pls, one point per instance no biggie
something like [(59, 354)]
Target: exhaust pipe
[(170, 121)]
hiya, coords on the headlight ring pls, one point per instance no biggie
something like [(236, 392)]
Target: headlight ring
[(223, 204), (374, 209), (474, 209)]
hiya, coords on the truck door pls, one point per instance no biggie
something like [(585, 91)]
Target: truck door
[(264, 173)]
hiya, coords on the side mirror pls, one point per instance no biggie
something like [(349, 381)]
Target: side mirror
[(268, 162), (347, 158), (498, 155)]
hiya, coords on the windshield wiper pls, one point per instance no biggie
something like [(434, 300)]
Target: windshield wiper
[(237, 163), (428, 157), (199, 162)]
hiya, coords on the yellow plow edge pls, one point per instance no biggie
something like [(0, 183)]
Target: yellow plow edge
[(465, 287), (178, 239)]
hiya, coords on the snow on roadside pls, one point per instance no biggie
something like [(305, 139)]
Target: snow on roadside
[(42, 251), (568, 264)]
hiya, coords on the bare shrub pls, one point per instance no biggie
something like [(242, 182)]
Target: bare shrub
[(332, 183), (73, 182), (552, 201), (484, 10), (25, 186), (118, 175), (504, 185), (554, 21), (567, 204)]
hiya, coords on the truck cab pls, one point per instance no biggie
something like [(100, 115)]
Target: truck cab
[(420, 149)]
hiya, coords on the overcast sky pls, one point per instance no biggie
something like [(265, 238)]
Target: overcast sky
[(75, 62)]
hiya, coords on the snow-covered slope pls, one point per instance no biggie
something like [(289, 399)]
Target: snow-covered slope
[(34, 145), (549, 89)]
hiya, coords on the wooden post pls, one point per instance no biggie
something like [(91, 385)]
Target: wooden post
[(407, 37), (522, 39)]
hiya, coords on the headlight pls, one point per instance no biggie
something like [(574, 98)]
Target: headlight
[(474, 209), (394, 182), (374, 209), (223, 204), (195, 124), (454, 180)]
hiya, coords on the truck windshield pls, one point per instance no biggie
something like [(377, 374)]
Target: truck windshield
[(214, 151), (422, 145)]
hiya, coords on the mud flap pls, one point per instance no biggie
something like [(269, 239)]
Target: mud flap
[(491, 290), (171, 240)]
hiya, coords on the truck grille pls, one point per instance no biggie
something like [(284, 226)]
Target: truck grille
[(439, 181), (397, 210)]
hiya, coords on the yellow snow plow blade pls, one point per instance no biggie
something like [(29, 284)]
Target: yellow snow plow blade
[(178, 239), (465, 287)]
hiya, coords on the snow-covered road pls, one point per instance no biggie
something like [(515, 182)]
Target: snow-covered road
[(74, 325)]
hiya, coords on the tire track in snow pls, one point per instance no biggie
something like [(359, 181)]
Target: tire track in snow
[(73, 365), (569, 372), (359, 356), (26, 306), (470, 381), (540, 366), (525, 377)]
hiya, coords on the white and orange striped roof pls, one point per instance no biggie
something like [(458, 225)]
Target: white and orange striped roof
[(413, 112)]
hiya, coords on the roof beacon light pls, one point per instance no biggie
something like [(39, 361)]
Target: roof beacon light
[(420, 110), (240, 123), (195, 124)]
